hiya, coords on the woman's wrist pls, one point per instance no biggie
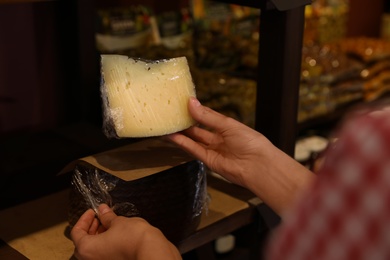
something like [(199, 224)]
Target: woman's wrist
[(153, 243), (277, 178)]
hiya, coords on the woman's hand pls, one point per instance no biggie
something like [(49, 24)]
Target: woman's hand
[(116, 237), (230, 150), (243, 156)]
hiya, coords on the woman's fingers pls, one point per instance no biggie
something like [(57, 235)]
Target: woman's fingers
[(83, 226), (189, 145), (206, 116), (93, 229), (106, 215), (199, 135)]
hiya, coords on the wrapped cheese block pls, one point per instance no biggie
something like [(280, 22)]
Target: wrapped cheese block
[(145, 98), (151, 179)]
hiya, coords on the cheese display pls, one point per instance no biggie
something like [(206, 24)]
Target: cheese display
[(343, 73), (152, 179), (145, 98)]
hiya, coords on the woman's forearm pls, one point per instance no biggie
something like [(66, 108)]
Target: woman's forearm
[(277, 179)]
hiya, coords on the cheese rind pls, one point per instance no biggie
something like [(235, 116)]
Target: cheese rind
[(145, 98)]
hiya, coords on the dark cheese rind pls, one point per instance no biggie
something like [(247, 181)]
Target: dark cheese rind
[(170, 200), (108, 121)]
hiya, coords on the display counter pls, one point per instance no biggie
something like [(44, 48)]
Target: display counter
[(39, 229)]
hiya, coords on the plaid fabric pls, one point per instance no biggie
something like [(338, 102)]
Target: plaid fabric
[(345, 214)]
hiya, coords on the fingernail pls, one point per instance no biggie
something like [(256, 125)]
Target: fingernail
[(104, 208), (195, 101)]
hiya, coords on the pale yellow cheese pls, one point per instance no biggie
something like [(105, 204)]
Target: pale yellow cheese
[(146, 98)]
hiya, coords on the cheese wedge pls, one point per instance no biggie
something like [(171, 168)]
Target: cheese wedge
[(145, 98)]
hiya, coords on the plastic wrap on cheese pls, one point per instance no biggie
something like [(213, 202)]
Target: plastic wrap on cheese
[(145, 98), (171, 200)]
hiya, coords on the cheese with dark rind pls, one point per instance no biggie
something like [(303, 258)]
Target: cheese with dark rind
[(152, 179), (145, 98)]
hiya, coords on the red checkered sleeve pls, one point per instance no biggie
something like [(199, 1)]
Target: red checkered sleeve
[(345, 214)]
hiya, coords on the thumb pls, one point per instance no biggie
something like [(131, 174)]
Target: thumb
[(106, 215)]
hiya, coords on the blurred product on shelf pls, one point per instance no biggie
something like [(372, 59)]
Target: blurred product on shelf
[(145, 33), (220, 28), (326, 21), (174, 28), (302, 154), (309, 151), (385, 21), (123, 28), (232, 96), (366, 49), (385, 26), (342, 72)]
